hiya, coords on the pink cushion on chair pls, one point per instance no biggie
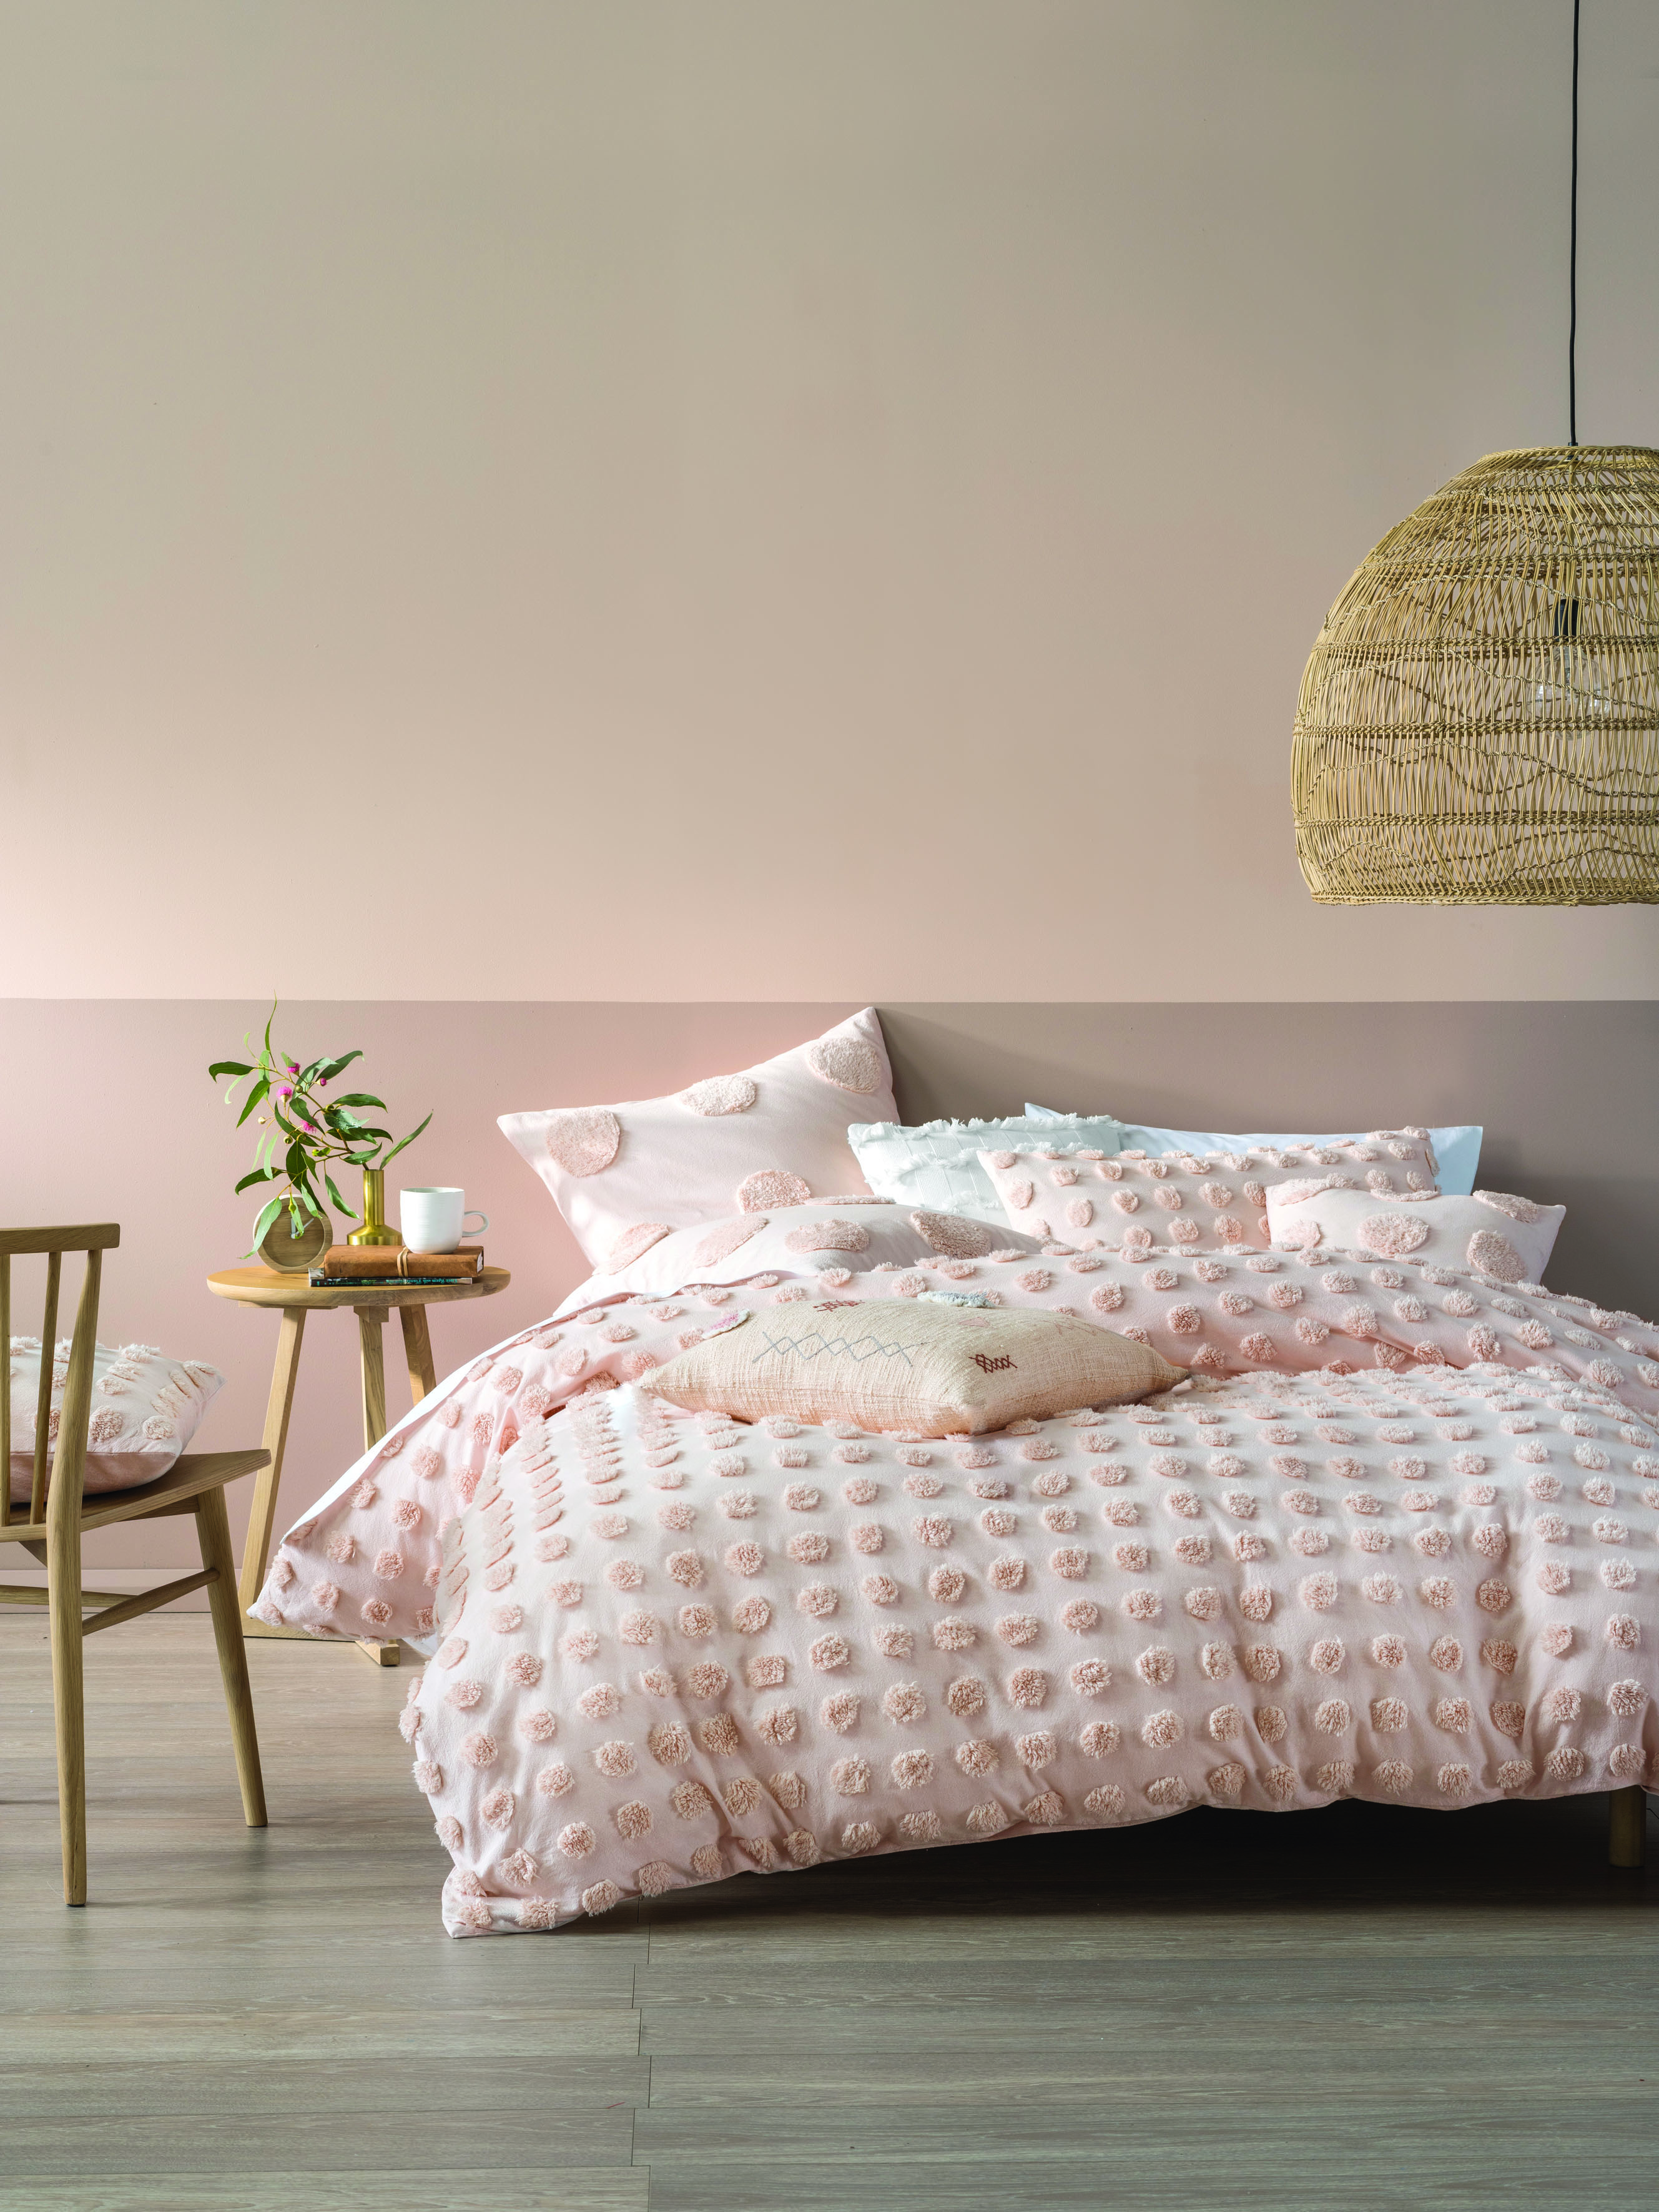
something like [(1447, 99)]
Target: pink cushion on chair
[(145, 1409)]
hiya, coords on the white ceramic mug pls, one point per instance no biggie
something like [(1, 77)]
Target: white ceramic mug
[(435, 1220)]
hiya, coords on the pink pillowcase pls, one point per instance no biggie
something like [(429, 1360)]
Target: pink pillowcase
[(794, 1239), (1206, 1202), (624, 1176), (1490, 1230)]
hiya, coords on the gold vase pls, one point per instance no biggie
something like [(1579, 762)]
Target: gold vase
[(373, 1229)]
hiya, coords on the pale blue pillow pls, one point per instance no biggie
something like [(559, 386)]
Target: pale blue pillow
[(1458, 1150), (933, 1166)]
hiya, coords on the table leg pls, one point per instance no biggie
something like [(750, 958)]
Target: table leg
[(371, 1325), (256, 1552), (379, 1651), (417, 1352)]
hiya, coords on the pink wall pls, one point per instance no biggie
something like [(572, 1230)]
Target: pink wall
[(823, 501)]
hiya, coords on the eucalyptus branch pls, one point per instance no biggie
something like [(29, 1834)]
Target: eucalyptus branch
[(302, 1132)]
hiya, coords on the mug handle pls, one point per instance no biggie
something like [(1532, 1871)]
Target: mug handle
[(483, 1224)]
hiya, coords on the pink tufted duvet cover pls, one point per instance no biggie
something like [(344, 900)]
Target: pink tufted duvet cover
[(1396, 1539)]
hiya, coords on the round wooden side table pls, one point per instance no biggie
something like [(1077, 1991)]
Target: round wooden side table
[(294, 1296)]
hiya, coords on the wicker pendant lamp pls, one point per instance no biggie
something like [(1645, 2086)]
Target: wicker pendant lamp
[(1479, 723)]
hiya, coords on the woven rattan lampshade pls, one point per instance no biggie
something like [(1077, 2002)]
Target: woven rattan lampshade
[(1479, 722)]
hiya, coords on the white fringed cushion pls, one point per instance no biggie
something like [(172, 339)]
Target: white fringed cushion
[(891, 1364), (145, 1409)]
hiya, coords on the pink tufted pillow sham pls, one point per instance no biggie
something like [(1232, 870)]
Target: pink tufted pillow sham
[(145, 1409), (625, 1176), (1206, 1202), (1494, 1232), (856, 1236)]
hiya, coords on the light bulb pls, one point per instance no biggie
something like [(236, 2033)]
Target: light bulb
[(1576, 683)]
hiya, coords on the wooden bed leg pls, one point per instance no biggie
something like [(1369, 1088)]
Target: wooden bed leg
[(1627, 1828)]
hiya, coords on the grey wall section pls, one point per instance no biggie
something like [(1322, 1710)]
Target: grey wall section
[(1568, 1091), (106, 1114)]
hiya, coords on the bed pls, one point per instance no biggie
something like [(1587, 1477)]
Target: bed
[(1391, 1536)]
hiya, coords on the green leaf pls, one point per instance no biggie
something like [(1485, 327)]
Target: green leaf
[(256, 1092), (229, 1068), (257, 1174), (353, 1131), (328, 1069), (360, 1099), (409, 1140), (268, 1213), (340, 1206)]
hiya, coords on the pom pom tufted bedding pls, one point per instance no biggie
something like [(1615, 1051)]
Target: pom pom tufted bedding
[(1396, 1540)]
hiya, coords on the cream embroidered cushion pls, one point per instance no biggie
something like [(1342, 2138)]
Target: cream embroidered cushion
[(1492, 1232), (938, 1369), (145, 1409)]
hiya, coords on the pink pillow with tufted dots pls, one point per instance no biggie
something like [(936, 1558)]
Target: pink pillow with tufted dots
[(145, 1409), (776, 1135), (1491, 1231), (1208, 1202)]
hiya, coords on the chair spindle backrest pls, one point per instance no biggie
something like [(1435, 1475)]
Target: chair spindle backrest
[(70, 1462)]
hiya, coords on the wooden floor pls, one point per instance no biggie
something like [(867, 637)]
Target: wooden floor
[(1347, 2008)]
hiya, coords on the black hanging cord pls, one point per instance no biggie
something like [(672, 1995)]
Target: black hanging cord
[(1572, 263)]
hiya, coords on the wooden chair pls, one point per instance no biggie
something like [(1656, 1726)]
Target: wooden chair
[(59, 1515)]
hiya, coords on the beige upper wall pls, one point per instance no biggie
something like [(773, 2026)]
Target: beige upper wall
[(818, 500)]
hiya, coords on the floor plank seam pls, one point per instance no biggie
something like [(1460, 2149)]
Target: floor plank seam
[(634, 2138), (640, 2015)]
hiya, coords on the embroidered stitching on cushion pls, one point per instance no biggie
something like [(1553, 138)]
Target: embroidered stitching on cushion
[(867, 1347)]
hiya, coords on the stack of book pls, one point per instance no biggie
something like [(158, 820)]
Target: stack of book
[(395, 1263)]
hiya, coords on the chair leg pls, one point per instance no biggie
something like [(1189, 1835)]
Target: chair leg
[(69, 1702), (213, 1533), (1627, 1828)]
